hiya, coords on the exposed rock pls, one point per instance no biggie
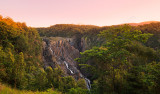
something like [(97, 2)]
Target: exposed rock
[(60, 52), (77, 42)]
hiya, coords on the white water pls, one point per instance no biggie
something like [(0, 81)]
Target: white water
[(68, 67), (88, 82), (51, 50)]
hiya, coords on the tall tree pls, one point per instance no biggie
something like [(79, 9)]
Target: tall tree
[(112, 60)]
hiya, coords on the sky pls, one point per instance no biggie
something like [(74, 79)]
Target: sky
[(44, 13)]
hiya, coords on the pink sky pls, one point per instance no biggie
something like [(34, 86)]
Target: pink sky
[(43, 13)]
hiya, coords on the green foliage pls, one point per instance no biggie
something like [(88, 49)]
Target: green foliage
[(126, 63), (124, 50), (78, 91), (85, 33), (19, 71), (50, 76), (153, 28), (8, 90), (67, 83), (81, 83), (144, 79), (89, 33), (20, 54), (68, 30), (41, 80)]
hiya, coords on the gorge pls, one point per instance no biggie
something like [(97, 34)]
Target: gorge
[(58, 51), (79, 59)]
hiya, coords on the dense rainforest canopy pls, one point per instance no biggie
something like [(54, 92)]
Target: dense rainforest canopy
[(90, 32), (118, 59), (21, 63), (20, 53), (123, 65), (126, 61)]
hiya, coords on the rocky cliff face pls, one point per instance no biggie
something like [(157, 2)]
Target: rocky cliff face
[(61, 52), (58, 51)]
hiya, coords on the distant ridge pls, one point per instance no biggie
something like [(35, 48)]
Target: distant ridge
[(141, 23)]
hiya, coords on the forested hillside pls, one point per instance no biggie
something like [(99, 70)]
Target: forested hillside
[(153, 28), (120, 59), (68, 30), (90, 32), (20, 54), (126, 63), (124, 59), (21, 62)]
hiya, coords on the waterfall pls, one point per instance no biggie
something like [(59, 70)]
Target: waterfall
[(51, 50), (88, 83), (68, 67), (58, 52)]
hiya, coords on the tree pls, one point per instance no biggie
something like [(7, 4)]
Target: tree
[(19, 71), (3, 73), (112, 60), (41, 80), (50, 76), (81, 83), (78, 91)]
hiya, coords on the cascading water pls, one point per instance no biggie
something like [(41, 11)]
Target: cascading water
[(88, 83), (68, 67), (51, 50), (58, 50)]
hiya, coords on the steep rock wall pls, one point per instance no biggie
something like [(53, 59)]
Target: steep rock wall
[(61, 52)]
